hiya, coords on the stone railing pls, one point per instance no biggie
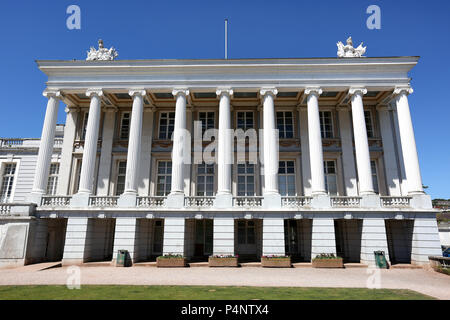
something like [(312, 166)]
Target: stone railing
[(247, 202), (5, 142), (295, 202), (55, 201), (5, 209), (150, 202), (345, 202), (200, 202), (395, 202), (103, 201)]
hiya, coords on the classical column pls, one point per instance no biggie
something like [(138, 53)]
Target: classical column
[(128, 198), (361, 142), (389, 154), (176, 196), (90, 150), (409, 149), (304, 143), (315, 142), (348, 157), (70, 129), (104, 168), (146, 151), (224, 151), (45, 147), (272, 196)]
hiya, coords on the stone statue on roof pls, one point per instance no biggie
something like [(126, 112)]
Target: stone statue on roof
[(348, 51), (102, 53)]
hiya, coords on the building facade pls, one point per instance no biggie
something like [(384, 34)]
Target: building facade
[(203, 157)]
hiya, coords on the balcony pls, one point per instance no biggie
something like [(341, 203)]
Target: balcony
[(295, 202), (199, 202), (55, 201), (395, 202), (345, 202), (151, 202), (248, 202), (103, 201), (5, 209)]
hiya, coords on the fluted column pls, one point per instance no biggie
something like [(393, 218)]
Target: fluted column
[(409, 149), (224, 149), (45, 146), (128, 198), (90, 143), (315, 142), (176, 196), (270, 142), (361, 142)]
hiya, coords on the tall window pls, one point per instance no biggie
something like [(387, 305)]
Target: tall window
[(85, 121), (245, 120), (286, 178), (52, 179), (246, 179), (164, 178), (373, 167), (369, 124), (330, 177), (9, 170), (326, 124), (121, 173), (246, 232), (166, 125), (205, 179), (285, 124), (125, 126), (207, 120)]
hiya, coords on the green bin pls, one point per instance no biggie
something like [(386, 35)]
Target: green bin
[(380, 259), (121, 260)]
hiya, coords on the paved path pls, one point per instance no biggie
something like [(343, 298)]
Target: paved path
[(425, 281)]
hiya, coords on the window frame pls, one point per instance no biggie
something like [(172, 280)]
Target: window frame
[(214, 126), (374, 175), (197, 166), (167, 135), (326, 174), (122, 118), (3, 164), (322, 124), (246, 232), (55, 177), (245, 112), (372, 128), (284, 123), (246, 175), (117, 175), (166, 174), (294, 174)]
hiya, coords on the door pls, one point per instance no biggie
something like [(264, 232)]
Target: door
[(157, 237), (203, 238), (291, 237), (246, 237)]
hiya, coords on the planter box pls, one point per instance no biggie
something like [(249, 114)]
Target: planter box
[(276, 262), (170, 262), (222, 262), (328, 263)]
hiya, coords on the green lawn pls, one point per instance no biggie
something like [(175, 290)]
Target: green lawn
[(104, 292)]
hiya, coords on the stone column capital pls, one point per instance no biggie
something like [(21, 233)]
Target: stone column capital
[(224, 91), (268, 91), (313, 90), (403, 90), (180, 91), (137, 92), (357, 90), (52, 93), (94, 92)]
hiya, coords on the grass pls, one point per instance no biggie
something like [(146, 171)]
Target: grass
[(122, 292)]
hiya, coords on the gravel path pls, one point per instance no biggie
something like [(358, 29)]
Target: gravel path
[(424, 281)]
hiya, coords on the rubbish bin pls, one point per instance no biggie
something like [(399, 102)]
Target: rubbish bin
[(380, 259), (121, 260)]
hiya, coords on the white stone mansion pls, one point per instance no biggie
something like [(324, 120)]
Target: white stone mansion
[(341, 175)]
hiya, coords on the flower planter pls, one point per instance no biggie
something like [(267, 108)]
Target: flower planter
[(328, 263), (282, 262), (222, 262), (170, 262)]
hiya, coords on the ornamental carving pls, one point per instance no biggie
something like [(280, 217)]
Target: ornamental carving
[(348, 51), (102, 53)]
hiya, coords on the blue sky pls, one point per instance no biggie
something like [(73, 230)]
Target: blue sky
[(31, 30)]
